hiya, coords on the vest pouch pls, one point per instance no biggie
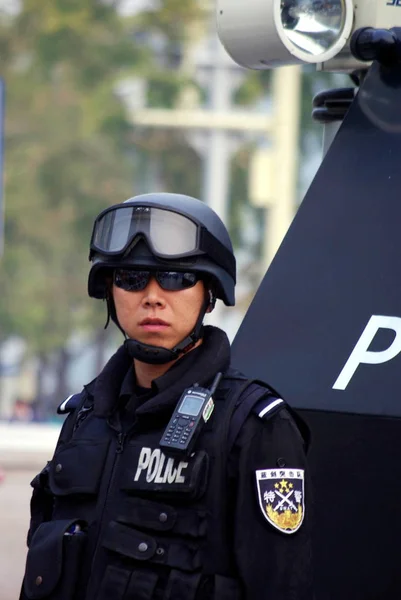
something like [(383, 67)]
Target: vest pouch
[(152, 472), (53, 561), (77, 467), (41, 502), (156, 516), (140, 547), (121, 584)]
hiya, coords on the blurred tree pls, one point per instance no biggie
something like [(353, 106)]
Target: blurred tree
[(67, 157), (70, 153), (164, 155)]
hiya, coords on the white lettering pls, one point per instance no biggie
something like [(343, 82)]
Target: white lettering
[(158, 478), (361, 354), (143, 462), (159, 468), (153, 465), (171, 472), (181, 467)]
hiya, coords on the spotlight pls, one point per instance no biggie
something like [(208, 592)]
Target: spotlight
[(261, 34)]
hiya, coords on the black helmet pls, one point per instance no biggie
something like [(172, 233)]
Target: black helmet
[(162, 230)]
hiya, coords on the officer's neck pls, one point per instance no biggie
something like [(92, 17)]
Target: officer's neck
[(146, 373)]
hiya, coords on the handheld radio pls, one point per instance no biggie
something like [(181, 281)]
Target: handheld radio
[(192, 411)]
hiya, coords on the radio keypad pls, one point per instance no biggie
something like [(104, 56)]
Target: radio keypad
[(179, 430)]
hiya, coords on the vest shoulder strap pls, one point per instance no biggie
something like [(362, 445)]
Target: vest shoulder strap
[(264, 401), (76, 407), (69, 404), (252, 396)]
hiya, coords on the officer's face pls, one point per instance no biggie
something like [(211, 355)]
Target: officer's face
[(156, 316)]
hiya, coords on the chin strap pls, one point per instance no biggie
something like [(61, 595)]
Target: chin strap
[(112, 315), (157, 355)]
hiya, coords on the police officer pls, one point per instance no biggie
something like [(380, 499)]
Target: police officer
[(154, 493)]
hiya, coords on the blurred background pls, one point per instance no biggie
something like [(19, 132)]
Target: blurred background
[(102, 100)]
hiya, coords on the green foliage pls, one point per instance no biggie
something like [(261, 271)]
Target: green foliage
[(66, 141), (172, 19), (70, 150), (255, 86), (164, 90)]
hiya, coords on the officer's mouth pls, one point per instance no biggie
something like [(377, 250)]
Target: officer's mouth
[(153, 324)]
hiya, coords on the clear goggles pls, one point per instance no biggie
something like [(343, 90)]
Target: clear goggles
[(169, 234)]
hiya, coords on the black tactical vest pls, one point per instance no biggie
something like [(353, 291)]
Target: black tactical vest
[(129, 522)]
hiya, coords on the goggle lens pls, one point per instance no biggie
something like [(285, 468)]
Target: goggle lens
[(132, 280), (168, 233)]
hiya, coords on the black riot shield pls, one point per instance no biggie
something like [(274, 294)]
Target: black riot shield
[(325, 330)]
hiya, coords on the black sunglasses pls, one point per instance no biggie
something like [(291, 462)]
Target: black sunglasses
[(132, 280)]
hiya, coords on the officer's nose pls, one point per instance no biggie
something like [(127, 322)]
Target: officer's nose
[(153, 295)]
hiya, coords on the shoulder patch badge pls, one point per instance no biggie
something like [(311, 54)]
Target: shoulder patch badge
[(281, 497)]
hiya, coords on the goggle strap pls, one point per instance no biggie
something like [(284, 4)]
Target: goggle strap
[(217, 251)]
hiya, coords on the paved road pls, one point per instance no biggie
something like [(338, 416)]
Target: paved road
[(15, 493), (24, 451)]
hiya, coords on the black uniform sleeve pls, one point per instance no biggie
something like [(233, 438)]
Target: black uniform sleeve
[(272, 564)]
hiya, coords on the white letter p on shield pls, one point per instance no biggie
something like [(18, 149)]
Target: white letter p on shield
[(361, 354)]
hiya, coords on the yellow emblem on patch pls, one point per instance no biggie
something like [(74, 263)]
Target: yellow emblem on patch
[(281, 497)]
